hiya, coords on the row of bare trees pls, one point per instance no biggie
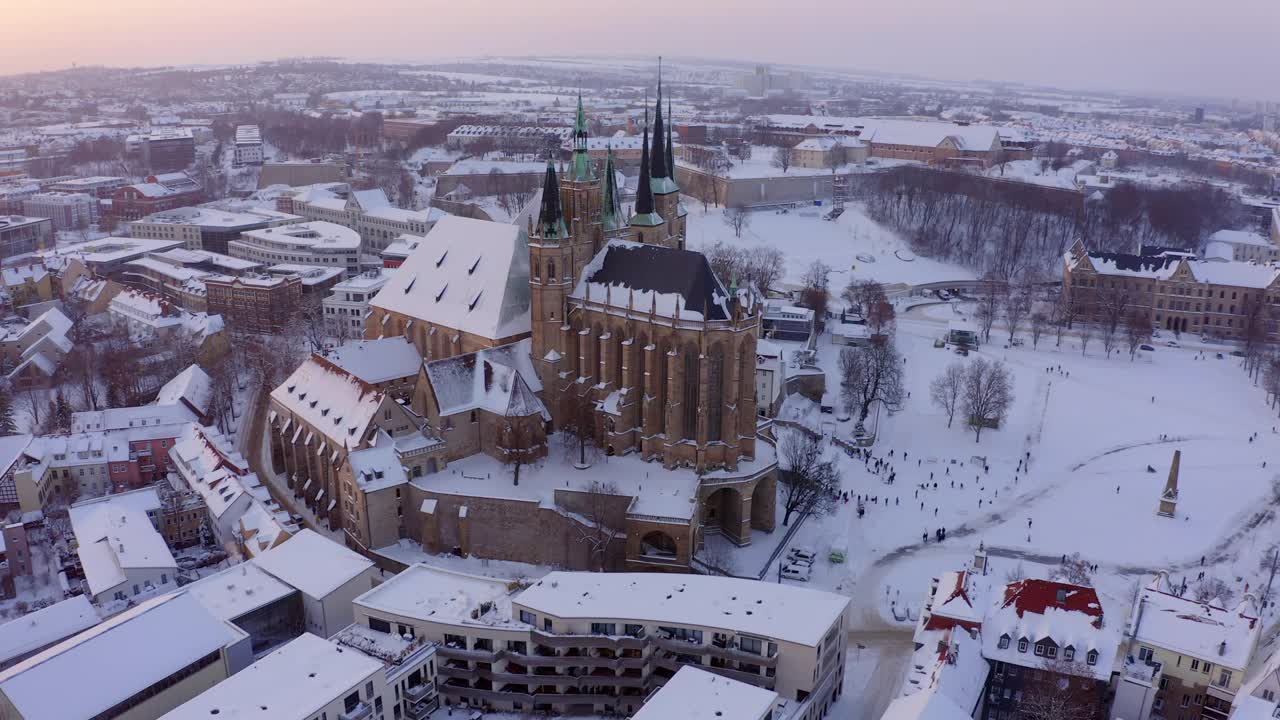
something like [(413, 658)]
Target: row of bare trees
[(982, 390), (1007, 228), (760, 266)]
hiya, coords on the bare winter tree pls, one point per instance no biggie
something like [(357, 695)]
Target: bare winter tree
[(579, 424), (1039, 321), (1073, 570), (947, 389), (1061, 690), (783, 157), (738, 219), (868, 375), (726, 260), (1016, 307), (597, 533), (519, 448), (1271, 379), (816, 290), (82, 369), (31, 401), (989, 301), (764, 266), (1110, 335), (1064, 314), (1212, 589), (1087, 331), (988, 393), (862, 294), (1137, 330), (809, 480)]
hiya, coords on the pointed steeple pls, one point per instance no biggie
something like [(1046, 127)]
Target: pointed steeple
[(658, 158), (551, 218), (583, 170), (644, 193), (610, 210)]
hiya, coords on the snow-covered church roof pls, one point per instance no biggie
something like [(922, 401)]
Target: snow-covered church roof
[(654, 275), (499, 380), (467, 275)]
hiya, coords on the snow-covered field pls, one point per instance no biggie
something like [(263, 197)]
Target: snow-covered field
[(1092, 429), (853, 245)]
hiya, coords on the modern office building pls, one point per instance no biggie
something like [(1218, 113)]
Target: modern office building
[(324, 244), (20, 234)]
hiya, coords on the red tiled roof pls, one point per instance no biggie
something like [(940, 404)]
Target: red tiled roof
[(1036, 596)]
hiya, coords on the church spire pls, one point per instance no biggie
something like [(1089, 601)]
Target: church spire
[(551, 218), (644, 212), (583, 170), (658, 158), (610, 208)]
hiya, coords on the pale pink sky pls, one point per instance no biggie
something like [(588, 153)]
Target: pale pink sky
[(1224, 47)]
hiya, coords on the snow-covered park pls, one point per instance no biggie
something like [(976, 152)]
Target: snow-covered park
[(1092, 427)]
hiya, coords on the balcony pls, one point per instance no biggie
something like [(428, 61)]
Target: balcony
[(360, 712), (612, 642), (453, 653), (421, 710), (730, 651), (419, 692)]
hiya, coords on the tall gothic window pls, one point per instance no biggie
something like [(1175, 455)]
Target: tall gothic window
[(690, 400), (551, 271), (618, 349), (715, 392), (641, 356)]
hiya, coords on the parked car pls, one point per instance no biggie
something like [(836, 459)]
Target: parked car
[(1237, 353), (803, 554), (1172, 343), (1146, 347), (797, 572)]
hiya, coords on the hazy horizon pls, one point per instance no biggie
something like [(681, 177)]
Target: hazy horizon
[(1170, 48)]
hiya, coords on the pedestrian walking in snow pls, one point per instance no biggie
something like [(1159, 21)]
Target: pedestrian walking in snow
[(935, 512), (1117, 489), (1028, 522)]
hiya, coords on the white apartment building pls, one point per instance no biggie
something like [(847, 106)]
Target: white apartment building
[(346, 307), (1242, 245), (99, 186), (319, 243), (210, 226), (601, 642), (248, 146), (695, 694)]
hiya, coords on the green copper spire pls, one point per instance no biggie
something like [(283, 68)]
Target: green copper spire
[(583, 169), (611, 209), (657, 155)]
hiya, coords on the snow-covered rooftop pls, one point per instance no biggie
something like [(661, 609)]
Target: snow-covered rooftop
[(315, 234), (118, 658), (239, 589), (328, 398), (468, 275), (944, 679), (115, 535), (1240, 237), (296, 680), (46, 626), (1197, 629), (378, 361), (500, 380), (695, 694), (886, 131), (313, 563), (1070, 615), (192, 388), (435, 594), (765, 609)]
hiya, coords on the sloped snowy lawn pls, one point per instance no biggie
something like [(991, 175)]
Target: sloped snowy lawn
[(804, 236), (1087, 433)]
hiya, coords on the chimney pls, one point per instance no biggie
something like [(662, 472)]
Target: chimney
[(1222, 649)]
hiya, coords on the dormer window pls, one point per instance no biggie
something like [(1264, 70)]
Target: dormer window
[(1004, 642), (1091, 657), (1022, 645), (1069, 654)]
